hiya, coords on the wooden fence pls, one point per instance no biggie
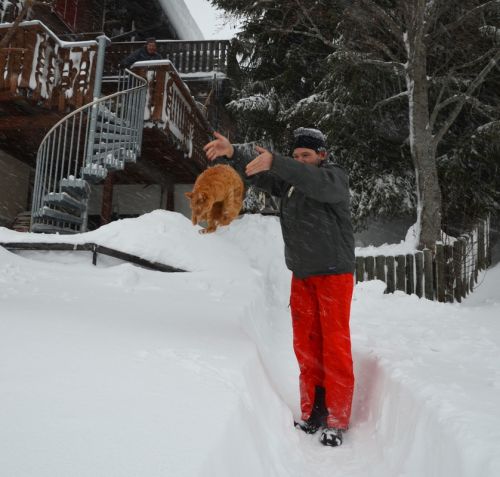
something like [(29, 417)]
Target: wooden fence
[(449, 274)]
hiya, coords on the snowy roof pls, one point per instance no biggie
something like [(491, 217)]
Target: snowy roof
[(181, 19)]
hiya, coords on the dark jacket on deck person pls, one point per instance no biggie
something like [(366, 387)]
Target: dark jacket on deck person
[(139, 55)]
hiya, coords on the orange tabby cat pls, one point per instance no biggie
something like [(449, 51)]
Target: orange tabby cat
[(217, 197)]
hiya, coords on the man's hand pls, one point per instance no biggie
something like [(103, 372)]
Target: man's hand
[(261, 163), (219, 147)]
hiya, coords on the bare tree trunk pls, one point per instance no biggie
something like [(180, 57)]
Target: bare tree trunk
[(423, 148)]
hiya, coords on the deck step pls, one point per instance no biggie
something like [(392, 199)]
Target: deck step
[(76, 188), (129, 155), (113, 163), (111, 118), (65, 201), (94, 173), (42, 228), (112, 136), (58, 215), (114, 129), (22, 222)]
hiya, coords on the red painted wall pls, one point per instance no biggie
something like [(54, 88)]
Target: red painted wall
[(67, 10)]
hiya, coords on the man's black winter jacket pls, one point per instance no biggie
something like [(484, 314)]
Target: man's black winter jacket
[(314, 213)]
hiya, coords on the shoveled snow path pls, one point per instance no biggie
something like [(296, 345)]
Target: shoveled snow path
[(427, 377)]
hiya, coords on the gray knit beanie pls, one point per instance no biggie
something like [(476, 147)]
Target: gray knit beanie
[(309, 138)]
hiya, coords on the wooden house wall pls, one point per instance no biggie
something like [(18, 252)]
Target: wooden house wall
[(115, 17)]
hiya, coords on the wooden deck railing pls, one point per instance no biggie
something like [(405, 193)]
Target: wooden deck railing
[(9, 10), (170, 106), (449, 274), (186, 56), (40, 66)]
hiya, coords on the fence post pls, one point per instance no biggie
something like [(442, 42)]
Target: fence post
[(410, 274), (440, 273), (457, 270), (380, 268), (370, 268), (449, 273), (390, 275), (488, 243), (419, 274), (428, 274), (481, 256), (474, 259), (401, 273), (465, 267), (360, 269)]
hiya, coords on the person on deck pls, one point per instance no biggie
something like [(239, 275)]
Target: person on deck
[(319, 250), (146, 53)]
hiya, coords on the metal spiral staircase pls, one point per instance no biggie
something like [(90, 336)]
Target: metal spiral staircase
[(79, 151)]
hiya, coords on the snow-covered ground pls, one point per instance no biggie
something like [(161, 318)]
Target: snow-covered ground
[(119, 371)]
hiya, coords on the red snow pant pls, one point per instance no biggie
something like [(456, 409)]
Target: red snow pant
[(321, 306)]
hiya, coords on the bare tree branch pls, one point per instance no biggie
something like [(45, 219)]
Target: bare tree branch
[(383, 16), (313, 24), (476, 60), (460, 103), (383, 64), (382, 47), (280, 29), (470, 13), (486, 110), (403, 94)]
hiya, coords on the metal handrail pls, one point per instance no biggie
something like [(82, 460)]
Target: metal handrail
[(116, 78), (73, 149)]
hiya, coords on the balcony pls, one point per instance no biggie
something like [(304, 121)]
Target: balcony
[(189, 58)]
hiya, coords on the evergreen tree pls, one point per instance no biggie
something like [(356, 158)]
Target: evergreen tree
[(402, 89)]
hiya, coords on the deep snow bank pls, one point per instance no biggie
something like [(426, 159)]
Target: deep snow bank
[(123, 371), (160, 236)]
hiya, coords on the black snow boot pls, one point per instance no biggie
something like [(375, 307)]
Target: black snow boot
[(318, 414), (331, 436)]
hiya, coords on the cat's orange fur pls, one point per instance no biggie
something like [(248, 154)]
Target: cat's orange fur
[(217, 197)]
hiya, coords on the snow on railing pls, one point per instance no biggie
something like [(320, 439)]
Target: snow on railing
[(40, 65), (170, 106)]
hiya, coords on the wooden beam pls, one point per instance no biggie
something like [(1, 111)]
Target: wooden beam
[(41, 121), (107, 199)]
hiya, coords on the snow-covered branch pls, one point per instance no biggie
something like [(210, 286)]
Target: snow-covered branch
[(391, 24), (403, 94), (312, 23), (384, 64), (308, 33), (380, 46), (462, 100), (467, 15)]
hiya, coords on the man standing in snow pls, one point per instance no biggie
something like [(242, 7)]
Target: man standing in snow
[(319, 250), (146, 53)]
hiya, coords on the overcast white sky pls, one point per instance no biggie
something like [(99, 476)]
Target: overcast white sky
[(210, 20)]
